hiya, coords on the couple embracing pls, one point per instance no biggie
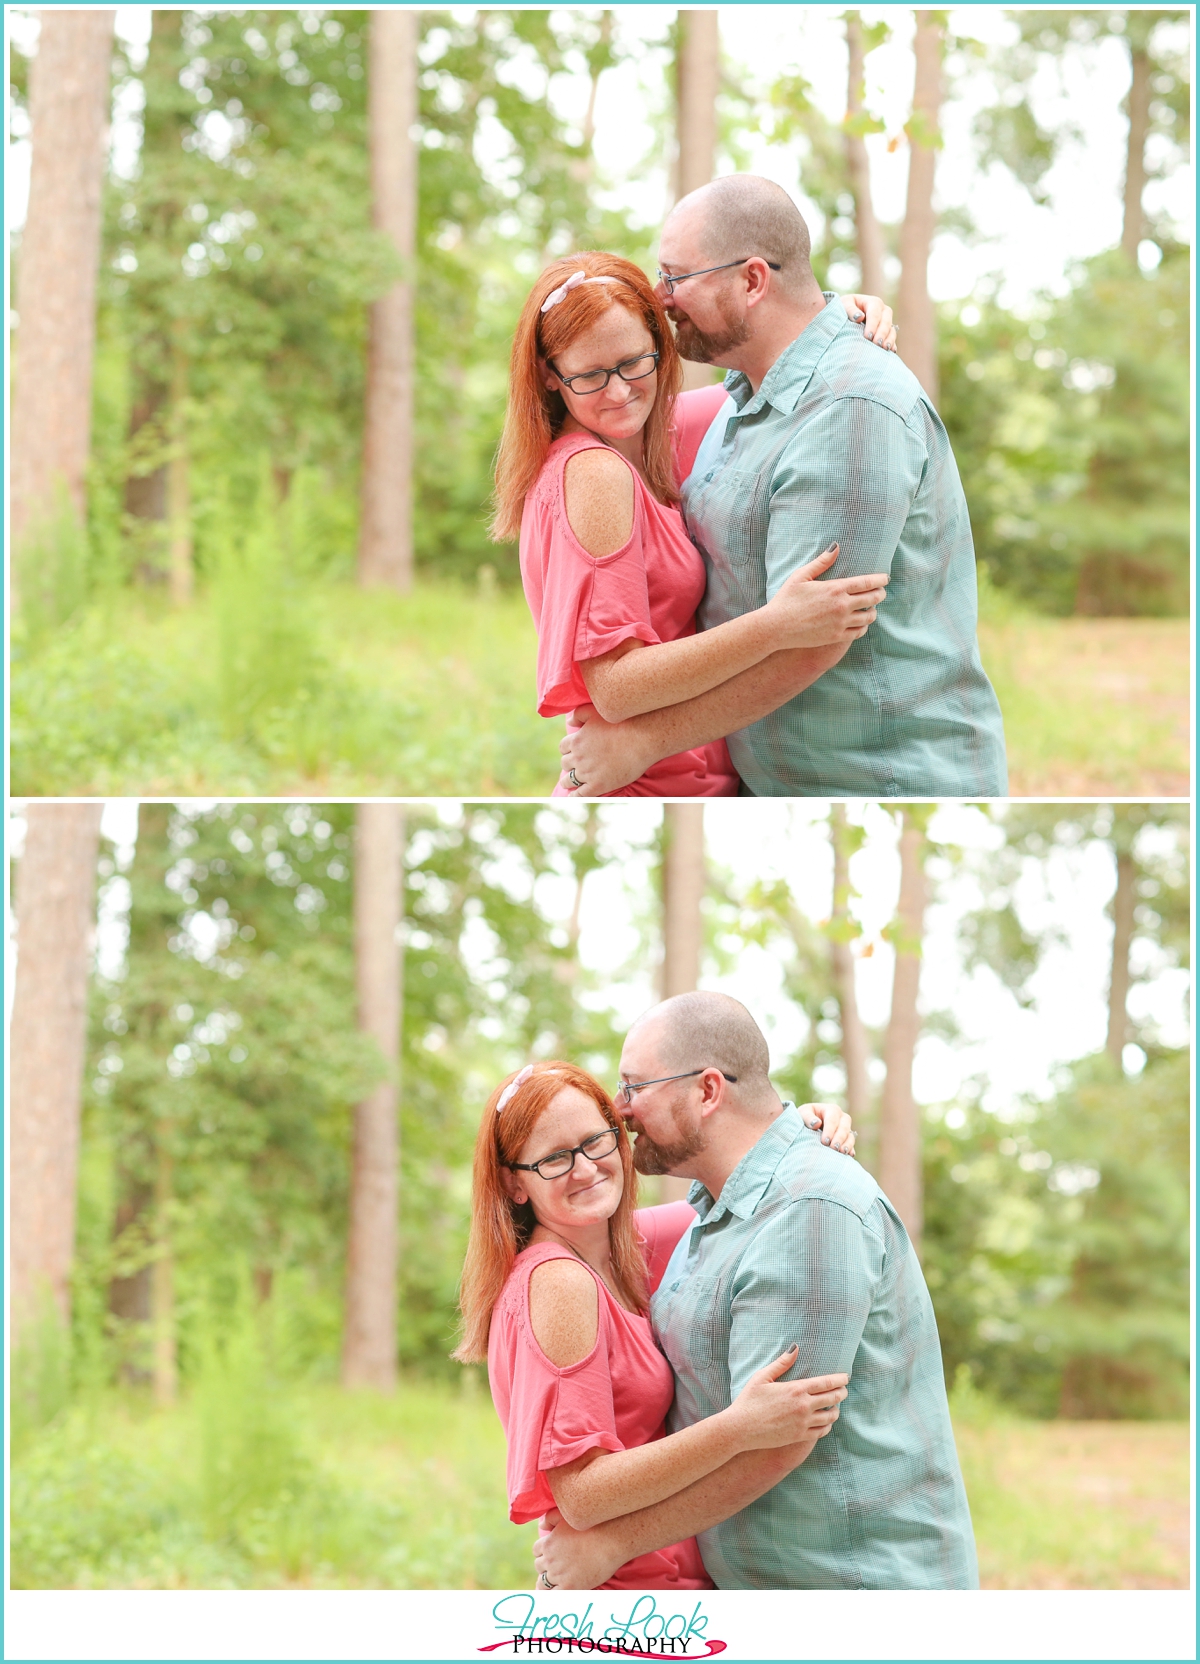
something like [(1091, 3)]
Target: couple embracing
[(740, 1391), (670, 541)]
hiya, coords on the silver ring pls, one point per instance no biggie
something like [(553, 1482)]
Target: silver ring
[(578, 784), (546, 1583)]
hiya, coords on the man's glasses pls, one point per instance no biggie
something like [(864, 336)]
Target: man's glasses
[(627, 1088), (670, 283), (560, 1162), (595, 381)]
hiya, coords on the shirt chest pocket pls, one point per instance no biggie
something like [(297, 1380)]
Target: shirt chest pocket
[(698, 1331), (726, 517)]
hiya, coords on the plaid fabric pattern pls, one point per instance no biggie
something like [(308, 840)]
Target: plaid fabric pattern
[(804, 1247), (841, 445)]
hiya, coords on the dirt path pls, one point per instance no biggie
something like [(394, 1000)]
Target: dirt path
[(1079, 1505), (1093, 707)]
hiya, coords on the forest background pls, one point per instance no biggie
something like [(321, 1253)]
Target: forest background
[(232, 1372), (252, 547)]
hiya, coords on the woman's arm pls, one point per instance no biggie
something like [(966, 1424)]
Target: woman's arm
[(607, 755), (573, 1559), (601, 1485), (632, 678)]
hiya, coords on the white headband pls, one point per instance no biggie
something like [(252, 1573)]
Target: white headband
[(573, 282), (510, 1091)]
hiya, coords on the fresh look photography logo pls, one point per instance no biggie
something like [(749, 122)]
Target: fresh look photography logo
[(646, 1630)]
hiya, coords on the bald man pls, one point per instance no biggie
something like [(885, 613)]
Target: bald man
[(792, 1242), (822, 440)]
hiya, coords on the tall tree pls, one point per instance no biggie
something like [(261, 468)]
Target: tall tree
[(697, 81), (1158, 102), (845, 839), (868, 233), (914, 308), (899, 1118), (58, 268), (372, 1267), (385, 553), (55, 908), (683, 930)]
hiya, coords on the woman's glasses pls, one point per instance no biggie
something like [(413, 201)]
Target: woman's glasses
[(595, 381), (560, 1162)]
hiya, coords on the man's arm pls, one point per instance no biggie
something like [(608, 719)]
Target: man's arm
[(585, 1559), (609, 755), (817, 1264), (849, 477)]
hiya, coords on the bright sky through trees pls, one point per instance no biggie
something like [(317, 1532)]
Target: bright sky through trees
[(1031, 247), (1015, 1052)]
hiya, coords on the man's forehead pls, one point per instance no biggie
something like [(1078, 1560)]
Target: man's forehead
[(681, 239), (640, 1050)]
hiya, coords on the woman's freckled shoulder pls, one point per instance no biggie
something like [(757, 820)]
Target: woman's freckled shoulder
[(599, 493)]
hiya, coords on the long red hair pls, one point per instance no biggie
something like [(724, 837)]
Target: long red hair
[(500, 1228), (536, 413)]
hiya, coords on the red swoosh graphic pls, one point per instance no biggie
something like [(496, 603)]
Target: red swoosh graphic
[(608, 1649)]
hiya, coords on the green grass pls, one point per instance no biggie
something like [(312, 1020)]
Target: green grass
[(248, 1485), (315, 1488), (263, 690)]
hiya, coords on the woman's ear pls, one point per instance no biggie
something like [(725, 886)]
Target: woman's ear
[(549, 379), (513, 1188)]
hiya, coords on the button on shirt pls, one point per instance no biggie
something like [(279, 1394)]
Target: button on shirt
[(840, 445), (803, 1246)]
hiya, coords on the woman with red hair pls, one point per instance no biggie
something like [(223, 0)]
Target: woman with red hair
[(597, 440), (555, 1295)]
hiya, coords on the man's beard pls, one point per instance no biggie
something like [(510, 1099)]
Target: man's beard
[(699, 348), (654, 1159)]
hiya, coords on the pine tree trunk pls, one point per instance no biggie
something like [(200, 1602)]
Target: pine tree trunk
[(133, 1298), (854, 1035), (179, 489), (369, 1346), (55, 906), (58, 267), (683, 931), (385, 552), (914, 308), (166, 1374), (1133, 228), (868, 233), (1123, 903), (899, 1171), (698, 80)]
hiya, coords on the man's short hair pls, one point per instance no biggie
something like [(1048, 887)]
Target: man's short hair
[(745, 214), (710, 1031)]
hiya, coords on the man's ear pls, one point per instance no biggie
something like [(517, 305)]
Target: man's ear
[(757, 278), (713, 1090)]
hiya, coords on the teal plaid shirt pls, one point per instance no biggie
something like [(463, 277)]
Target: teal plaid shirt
[(840, 445), (803, 1246)]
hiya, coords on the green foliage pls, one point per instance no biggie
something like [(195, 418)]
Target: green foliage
[(1056, 1249), (251, 1484), (1071, 433)]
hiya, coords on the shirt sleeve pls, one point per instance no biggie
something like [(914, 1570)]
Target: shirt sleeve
[(583, 605), (550, 1415), (810, 1277), (849, 478)]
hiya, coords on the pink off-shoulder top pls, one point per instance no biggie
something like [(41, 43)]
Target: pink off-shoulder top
[(616, 1398), (648, 590)]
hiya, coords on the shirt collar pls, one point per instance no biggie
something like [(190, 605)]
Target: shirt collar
[(791, 372), (745, 1187)]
